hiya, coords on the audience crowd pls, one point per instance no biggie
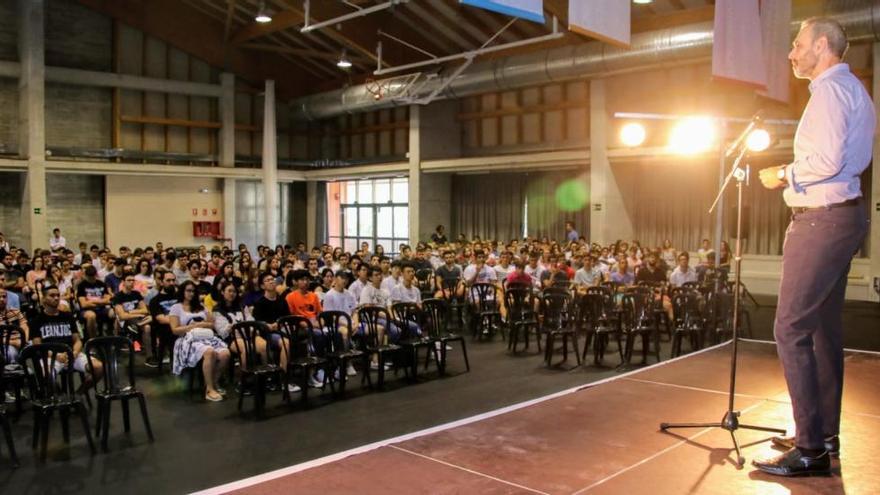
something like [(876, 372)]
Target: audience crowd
[(185, 300)]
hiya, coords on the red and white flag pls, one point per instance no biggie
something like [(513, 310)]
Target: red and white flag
[(738, 48), (605, 20)]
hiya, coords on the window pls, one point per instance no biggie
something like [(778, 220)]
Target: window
[(375, 211)]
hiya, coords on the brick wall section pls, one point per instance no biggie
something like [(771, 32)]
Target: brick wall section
[(75, 204)]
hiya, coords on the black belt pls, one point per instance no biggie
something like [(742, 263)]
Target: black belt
[(842, 204)]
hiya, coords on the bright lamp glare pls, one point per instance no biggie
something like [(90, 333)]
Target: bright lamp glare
[(263, 18), (692, 135), (758, 140), (632, 134)]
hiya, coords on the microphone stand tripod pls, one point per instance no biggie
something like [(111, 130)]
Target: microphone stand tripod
[(730, 421)]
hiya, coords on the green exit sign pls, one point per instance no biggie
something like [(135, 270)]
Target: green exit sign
[(37, 211)]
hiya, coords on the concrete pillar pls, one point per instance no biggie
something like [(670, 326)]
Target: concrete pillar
[(311, 213), (270, 168), (32, 123), (874, 235), (415, 172), (609, 219), (227, 120), (229, 210)]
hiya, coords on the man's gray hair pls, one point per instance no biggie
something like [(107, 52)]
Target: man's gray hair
[(831, 30)]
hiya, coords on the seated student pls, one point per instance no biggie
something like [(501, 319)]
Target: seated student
[(314, 273), (94, 301), (683, 273), (203, 287), (448, 275), (651, 271), (390, 280), (327, 278), (15, 318), (362, 280), (227, 312), (55, 326), (160, 307), (479, 272), (588, 275), (503, 267), (534, 270), (622, 274), (705, 252), (114, 278), (375, 295), (197, 341), (143, 276), (304, 302), (554, 276), (337, 298), (133, 315)]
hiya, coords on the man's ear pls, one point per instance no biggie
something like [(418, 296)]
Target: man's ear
[(820, 45)]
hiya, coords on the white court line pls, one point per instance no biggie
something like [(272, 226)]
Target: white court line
[(698, 389), (278, 473), (657, 454), (773, 342), (456, 466)]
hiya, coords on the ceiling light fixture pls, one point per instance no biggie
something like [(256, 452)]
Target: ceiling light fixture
[(263, 16), (642, 2), (344, 62)]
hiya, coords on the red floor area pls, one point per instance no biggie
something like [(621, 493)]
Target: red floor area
[(605, 439)]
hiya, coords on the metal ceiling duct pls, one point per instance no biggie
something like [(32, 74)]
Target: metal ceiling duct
[(667, 47)]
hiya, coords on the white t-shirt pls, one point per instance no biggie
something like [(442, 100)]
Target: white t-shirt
[(355, 288), (186, 317), (486, 274), (502, 272), (389, 282), (340, 301), (679, 278), (402, 294), (372, 295), (223, 321), (55, 243), (587, 277)]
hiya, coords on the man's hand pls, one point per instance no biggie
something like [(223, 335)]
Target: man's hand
[(769, 177)]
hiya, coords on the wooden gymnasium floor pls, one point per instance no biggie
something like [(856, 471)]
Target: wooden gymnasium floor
[(604, 438)]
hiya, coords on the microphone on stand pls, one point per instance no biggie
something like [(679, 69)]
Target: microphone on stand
[(754, 122)]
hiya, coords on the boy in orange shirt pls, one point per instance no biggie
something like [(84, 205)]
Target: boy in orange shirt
[(303, 302)]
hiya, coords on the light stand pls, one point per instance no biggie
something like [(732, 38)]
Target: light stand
[(730, 421)]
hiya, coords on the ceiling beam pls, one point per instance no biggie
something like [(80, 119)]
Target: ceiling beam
[(188, 29), (280, 21), (301, 52)]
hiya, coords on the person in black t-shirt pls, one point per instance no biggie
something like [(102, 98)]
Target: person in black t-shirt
[(94, 301), (131, 313), (203, 288), (651, 271), (439, 236), (449, 275), (53, 326), (160, 306), (270, 307)]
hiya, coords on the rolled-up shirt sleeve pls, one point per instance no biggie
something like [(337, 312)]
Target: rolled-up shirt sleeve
[(823, 129)]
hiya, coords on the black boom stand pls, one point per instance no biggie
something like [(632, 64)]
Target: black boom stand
[(730, 422)]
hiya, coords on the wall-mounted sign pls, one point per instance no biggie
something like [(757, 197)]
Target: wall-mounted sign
[(37, 211)]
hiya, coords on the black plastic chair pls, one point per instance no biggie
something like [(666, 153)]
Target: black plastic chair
[(455, 304), (604, 322), (4, 421), (425, 282), (13, 373), (556, 322), (639, 321), (688, 320), (372, 317), (436, 316), (303, 355), (255, 372), (408, 318), (52, 391), (521, 317), (339, 351), (118, 383), (485, 316)]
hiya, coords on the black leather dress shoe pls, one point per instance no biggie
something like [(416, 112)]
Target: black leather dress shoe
[(832, 444), (794, 463)]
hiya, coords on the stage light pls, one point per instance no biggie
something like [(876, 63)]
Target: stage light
[(692, 135), (758, 140), (263, 16), (632, 134)]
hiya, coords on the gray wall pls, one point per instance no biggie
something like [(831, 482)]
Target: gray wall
[(435, 203), (74, 203)]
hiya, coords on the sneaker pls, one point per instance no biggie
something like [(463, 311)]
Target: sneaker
[(10, 398), (166, 360), (151, 362), (317, 380), (137, 346), (293, 388), (375, 366), (350, 371)]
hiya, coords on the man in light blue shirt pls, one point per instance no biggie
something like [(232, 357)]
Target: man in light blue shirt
[(832, 146)]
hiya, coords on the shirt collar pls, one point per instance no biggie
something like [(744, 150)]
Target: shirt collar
[(829, 72)]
